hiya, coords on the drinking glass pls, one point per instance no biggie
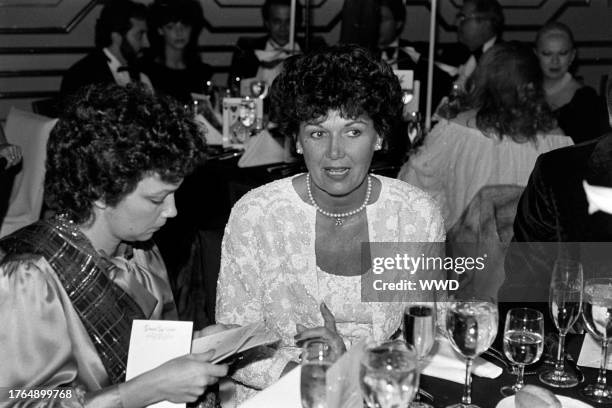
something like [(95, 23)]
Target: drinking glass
[(471, 327), (389, 376), (317, 357), (420, 333), (565, 297), (597, 313), (259, 89), (523, 342)]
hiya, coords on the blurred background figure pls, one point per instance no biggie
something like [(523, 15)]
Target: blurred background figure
[(403, 54), (494, 133), (479, 26), (580, 112), (121, 38), (262, 57), (174, 64)]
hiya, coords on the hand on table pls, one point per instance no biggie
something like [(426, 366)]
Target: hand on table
[(185, 378), (12, 154), (326, 332)]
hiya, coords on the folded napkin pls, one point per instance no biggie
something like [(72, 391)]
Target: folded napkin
[(213, 136), (262, 149), (599, 198), (590, 354), (449, 365), (285, 393)]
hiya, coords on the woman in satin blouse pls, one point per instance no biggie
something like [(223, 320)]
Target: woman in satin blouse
[(71, 286)]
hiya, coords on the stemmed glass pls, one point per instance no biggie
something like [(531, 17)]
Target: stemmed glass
[(471, 327), (389, 376), (565, 297), (523, 342), (317, 357), (420, 333), (597, 313)]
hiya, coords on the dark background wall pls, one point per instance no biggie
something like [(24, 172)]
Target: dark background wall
[(39, 39)]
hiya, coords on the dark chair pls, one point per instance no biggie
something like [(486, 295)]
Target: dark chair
[(48, 107)]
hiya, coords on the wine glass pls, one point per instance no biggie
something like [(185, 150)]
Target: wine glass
[(565, 297), (471, 327), (317, 357), (523, 342), (388, 375), (597, 313), (420, 333)]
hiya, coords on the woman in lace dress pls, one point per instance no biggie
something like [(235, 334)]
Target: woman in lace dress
[(71, 286), (291, 254), (492, 135)]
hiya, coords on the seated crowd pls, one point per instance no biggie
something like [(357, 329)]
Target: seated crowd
[(291, 254)]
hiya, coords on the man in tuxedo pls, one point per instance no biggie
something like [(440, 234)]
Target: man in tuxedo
[(479, 27), (262, 57), (121, 37), (405, 55), (554, 209)]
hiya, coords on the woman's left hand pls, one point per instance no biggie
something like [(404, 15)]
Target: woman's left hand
[(213, 329), (327, 332)]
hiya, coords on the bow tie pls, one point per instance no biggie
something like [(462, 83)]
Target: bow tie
[(133, 72)]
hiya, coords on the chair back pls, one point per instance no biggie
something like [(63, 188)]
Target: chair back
[(486, 226)]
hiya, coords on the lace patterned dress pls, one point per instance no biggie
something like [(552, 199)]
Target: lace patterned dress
[(269, 270)]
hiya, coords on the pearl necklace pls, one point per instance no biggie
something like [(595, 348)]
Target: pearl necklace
[(338, 216)]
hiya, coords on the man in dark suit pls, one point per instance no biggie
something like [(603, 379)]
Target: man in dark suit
[(262, 56), (121, 36), (404, 55), (554, 209)]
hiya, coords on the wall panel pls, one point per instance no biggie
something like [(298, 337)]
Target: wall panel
[(41, 38)]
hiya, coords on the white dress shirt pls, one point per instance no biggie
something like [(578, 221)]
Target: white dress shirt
[(122, 78)]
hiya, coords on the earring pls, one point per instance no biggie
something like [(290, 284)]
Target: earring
[(298, 148), (378, 144)]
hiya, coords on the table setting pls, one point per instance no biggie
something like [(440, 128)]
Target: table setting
[(452, 364)]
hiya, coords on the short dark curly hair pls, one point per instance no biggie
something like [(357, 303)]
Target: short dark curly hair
[(506, 90), (346, 78), (116, 17), (111, 137)]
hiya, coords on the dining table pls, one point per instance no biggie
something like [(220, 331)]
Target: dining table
[(441, 393), (486, 391)]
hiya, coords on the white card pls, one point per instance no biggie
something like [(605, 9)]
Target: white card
[(154, 342), (590, 354)]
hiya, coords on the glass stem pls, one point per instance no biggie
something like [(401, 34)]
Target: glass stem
[(601, 378), (559, 365), (467, 390), (519, 377)]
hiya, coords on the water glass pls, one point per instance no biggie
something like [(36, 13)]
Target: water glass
[(597, 313), (389, 375), (565, 297), (523, 342), (471, 327), (317, 357), (420, 333)]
